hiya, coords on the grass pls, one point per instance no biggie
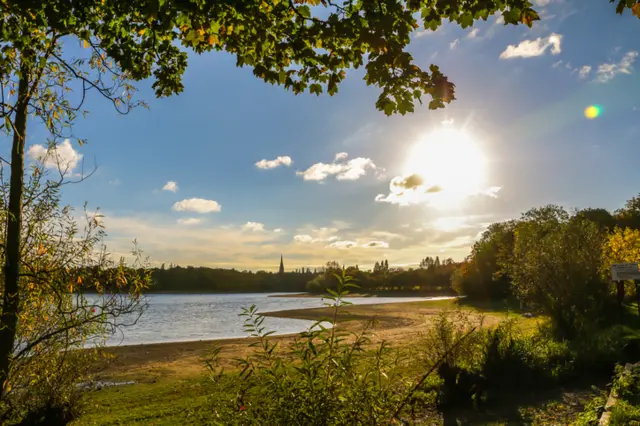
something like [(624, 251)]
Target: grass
[(166, 402), (174, 388)]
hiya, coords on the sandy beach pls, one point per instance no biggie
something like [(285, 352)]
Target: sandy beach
[(395, 323)]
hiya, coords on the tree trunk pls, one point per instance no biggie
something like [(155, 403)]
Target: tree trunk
[(11, 297)]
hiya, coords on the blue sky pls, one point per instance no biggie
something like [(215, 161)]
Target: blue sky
[(519, 135)]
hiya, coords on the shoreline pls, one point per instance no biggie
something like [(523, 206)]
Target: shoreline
[(148, 362), (372, 295), (397, 323)]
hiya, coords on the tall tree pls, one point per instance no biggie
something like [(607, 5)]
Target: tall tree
[(601, 217), (556, 269), (629, 215)]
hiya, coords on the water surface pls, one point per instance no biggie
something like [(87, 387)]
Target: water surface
[(188, 317)]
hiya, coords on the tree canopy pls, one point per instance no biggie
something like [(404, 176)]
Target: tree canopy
[(303, 45)]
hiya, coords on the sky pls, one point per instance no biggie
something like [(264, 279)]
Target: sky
[(234, 172)]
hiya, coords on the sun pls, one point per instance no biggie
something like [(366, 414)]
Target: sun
[(450, 160)]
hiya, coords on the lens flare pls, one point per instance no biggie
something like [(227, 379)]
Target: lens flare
[(592, 111)]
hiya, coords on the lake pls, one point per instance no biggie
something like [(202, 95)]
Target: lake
[(188, 317)]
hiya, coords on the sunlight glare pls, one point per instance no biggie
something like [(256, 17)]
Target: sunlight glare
[(450, 160)]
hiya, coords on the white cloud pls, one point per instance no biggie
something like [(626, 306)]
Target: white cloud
[(541, 2), (343, 244), (376, 244), (253, 226), (387, 235), (61, 156), (408, 190), (272, 164), (584, 71), (451, 223), (342, 170), (474, 33), (533, 48), (278, 230), (170, 186), (341, 156), (453, 44), (189, 221), (197, 205), (303, 238), (606, 72), (115, 182)]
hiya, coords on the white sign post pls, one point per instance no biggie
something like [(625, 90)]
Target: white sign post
[(625, 271)]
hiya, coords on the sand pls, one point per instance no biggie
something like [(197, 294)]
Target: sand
[(397, 323)]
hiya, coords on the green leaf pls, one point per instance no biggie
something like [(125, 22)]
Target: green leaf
[(389, 108), (466, 20), (304, 11)]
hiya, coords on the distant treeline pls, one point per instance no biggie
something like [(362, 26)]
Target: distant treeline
[(433, 276)]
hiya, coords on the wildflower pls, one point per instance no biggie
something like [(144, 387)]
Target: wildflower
[(241, 408)]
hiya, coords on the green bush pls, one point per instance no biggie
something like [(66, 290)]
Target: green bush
[(590, 416), (624, 414), (598, 352), (626, 383), (513, 360), (332, 378)]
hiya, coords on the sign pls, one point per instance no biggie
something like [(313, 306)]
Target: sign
[(625, 271)]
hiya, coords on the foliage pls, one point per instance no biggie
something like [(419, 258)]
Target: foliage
[(626, 383), (512, 360), (556, 269), (624, 414), (601, 217), (333, 379), (622, 245), (484, 274), (204, 279), (446, 336), (629, 215), (590, 416), (304, 45), (60, 262)]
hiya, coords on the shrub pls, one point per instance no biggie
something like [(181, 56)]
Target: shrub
[(333, 378), (512, 360), (590, 416), (624, 414), (598, 352)]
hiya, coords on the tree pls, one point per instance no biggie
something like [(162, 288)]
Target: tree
[(629, 215), (600, 217), (60, 261), (484, 275), (623, 245), (556, 269)]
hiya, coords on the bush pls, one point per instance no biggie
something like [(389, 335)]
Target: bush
[(455, 339), (590, 416), (599, 352), (624, 414), (513, 360), (331, 380)]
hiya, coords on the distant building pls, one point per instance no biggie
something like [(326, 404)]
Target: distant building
[(281, 270)]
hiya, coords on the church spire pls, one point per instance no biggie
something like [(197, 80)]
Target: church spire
[(281, 271)]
